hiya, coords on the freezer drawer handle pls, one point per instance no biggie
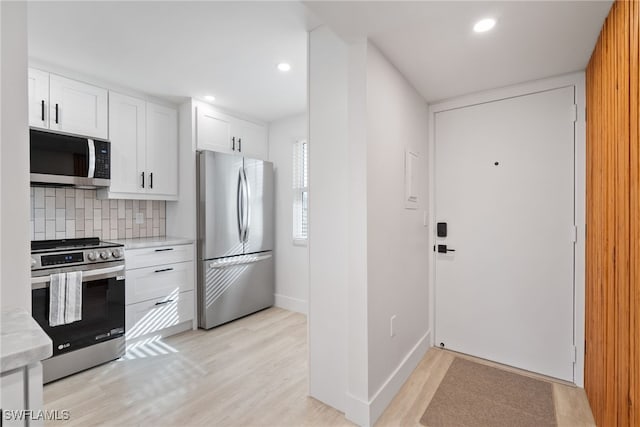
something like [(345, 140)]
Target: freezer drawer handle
[(162, 270), (164, 249), (223, 264), (164, 302)]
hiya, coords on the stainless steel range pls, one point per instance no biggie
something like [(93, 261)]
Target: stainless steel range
[(98, 336)]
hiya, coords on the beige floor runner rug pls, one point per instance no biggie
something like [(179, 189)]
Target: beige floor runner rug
[(475, 395)]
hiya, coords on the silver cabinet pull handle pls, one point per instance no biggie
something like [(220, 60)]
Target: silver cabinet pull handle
[(164, 249), (164, 302), (162, 270)]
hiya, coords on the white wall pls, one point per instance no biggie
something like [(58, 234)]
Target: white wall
[(363, 115), (397, 239), (357, 322), (328, 227), (181, 214), (14, 158), (291, 261)]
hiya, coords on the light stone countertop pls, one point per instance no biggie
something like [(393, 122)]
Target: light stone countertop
[(152, 242), (22, 341)]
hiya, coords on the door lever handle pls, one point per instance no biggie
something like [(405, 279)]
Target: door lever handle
[(442, 249)]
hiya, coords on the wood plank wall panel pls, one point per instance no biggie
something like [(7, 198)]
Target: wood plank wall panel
[(634, 212), (612, 353)]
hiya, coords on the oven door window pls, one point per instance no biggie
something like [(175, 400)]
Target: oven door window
[(102, 315), (58, 154)]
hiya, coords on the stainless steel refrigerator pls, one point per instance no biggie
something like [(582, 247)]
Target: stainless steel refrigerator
[(235, 237)]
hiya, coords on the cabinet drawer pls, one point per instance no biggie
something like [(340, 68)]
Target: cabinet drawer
[(155, 315), (143, 284), (161, 255)]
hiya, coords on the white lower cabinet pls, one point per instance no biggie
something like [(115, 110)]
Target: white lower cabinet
[(21, 392), (156, 315), (160, 284)]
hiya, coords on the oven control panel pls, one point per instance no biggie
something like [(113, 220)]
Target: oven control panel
[(66, 258), (71, 258)]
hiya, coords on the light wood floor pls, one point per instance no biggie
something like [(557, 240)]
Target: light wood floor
[(249, 372)]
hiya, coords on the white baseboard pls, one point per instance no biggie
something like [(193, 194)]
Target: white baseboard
[(358, 411), (290, 303), (367, 413)]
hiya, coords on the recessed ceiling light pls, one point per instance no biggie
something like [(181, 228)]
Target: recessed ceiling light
[(484, 25), (210, 98), (283, 66)]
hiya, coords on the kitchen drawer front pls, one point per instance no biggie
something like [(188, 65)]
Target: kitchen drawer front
[(152, 316), (161, 255), (143, 284)]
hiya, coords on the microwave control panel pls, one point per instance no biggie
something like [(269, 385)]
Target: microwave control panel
[(103, 158)]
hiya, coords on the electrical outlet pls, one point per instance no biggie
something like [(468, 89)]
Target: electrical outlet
[(392, 331), (139, 218), (425, 218)]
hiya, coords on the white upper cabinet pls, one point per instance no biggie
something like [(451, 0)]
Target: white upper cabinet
[(250, 139), (127, 130), (213, 130), (144, 150), (77, 107), (217, 131), (66, 105), (162, 150), (38, 98)]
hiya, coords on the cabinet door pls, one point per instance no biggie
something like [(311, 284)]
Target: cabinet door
[(77, 107), (154, 282), (162, 150), (127, 131), (251, 139), (38, 98), (152, 316), (13, 394), (213, 130)]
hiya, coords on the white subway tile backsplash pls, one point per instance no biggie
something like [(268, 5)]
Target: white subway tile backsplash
[(58, 213), (79, 198), (38, 197), (60, 199), (50, 207), (50, 229)]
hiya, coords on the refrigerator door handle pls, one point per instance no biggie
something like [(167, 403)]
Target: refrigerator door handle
[(244, 260), (239, 206), (247, 207)]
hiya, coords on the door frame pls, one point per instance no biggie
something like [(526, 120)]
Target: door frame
[(577, 80)]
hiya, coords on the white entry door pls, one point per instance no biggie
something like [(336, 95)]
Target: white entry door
[(505, 189)]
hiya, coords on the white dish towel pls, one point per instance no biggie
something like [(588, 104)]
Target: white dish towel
[(65, 298), (73, 303), (57, 298)]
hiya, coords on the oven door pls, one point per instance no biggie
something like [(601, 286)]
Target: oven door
[(102, 309)]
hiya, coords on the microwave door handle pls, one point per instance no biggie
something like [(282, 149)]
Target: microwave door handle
[(92, 158)]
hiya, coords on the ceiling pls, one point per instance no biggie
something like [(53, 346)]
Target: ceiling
[(432, 42), (177, 50)]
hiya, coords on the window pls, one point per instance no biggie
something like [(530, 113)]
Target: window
[(300, 192)]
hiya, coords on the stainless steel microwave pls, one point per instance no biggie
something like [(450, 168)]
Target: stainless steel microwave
[(66, 160)]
